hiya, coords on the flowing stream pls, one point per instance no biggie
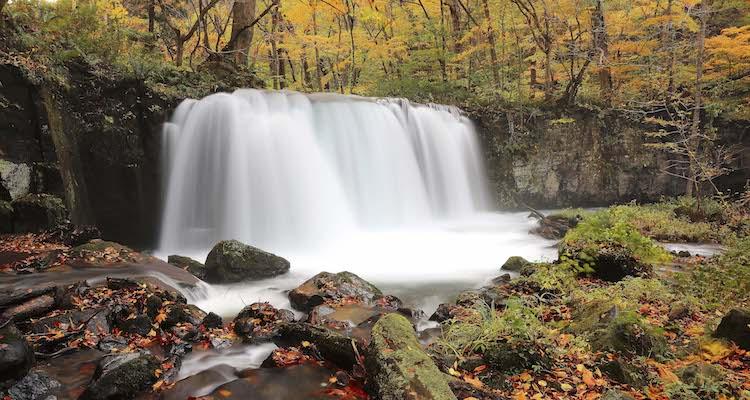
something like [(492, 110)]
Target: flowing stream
[(390, 190)]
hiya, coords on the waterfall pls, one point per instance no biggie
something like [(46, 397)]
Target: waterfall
[(280, 169)]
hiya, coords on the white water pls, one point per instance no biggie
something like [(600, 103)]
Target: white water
[(392, 191)]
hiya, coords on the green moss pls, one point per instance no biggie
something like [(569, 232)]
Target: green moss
[(399, 366), (628, 332), (515, 264)]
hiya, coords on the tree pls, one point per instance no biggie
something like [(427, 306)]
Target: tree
[(243, 15)]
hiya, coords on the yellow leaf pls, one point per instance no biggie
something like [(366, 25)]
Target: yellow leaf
[(453, 372), (715, 350), (566, 387), (473, 381), (225, 392)]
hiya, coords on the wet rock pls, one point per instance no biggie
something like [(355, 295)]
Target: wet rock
[(153, 305), (332, 346), (260, 322), (73, 235), (30, 308), (231, 261), (735, 326), (95, 319), (16, 356), (183, 313), (38, 212), (97, 247), (609, 261), (138, 325), (201, 383), (188, 264), (11, 296), (508, 358), (122, 376), (328, 288), (515, 264), (502, 279), (397, 365), (65, 295), (109, 344), (6, 217), (35, 386), (212, 320), (442, 313), (616, 395)]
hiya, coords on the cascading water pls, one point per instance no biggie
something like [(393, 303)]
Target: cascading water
[(390, 190), (282, 170)]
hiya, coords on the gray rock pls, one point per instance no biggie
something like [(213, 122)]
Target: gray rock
[(515, 264), (16, 356), (231, 261), (6, 217), (122, 376), (328, 288), (35, 386)]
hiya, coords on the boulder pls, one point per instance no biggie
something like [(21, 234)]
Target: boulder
[(397, 366), (515, 264), (189, 265), (122, 376), (608, 261), (35, 386), (735, 326), (512, 357), (16, 356), (95, 319), (96, 247), (212, 320), (183, 313), (38, 212), (333, 346), (260, 322), (630, 333), (231, 261), (331, 289), (138, 325), (6, 217), (626, 373), (702, 375)]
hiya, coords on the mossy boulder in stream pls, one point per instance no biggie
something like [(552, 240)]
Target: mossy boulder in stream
[(38, 212), (609, 261), (122, 376), (398, 367), (232, 261), (515, 264), (189, 265)]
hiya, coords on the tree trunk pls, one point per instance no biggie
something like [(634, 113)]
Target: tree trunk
[(695, 130), (151, 14), (318, 62), (243, 14), (491, 40), (601, 49), (672, 51)]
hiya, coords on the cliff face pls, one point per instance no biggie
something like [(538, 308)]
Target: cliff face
[(552, 159), (93, 142)]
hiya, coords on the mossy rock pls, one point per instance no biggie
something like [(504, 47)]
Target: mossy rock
[(38, 212), (609, 261), (16, 356), (188, 264), (122, 376), (398, 367), (515, 264), (97, 246), (591, 316), (231, 261), (702, 375), (735, 326), (6, 217), (514, 357), (625, 372), (333, 346), (629, 333)]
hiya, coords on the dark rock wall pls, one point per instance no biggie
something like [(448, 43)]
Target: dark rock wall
[(98, 138)]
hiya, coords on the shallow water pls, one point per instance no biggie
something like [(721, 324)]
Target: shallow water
[(424, 266)]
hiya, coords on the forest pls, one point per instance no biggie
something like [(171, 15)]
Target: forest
[(375, 199)]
